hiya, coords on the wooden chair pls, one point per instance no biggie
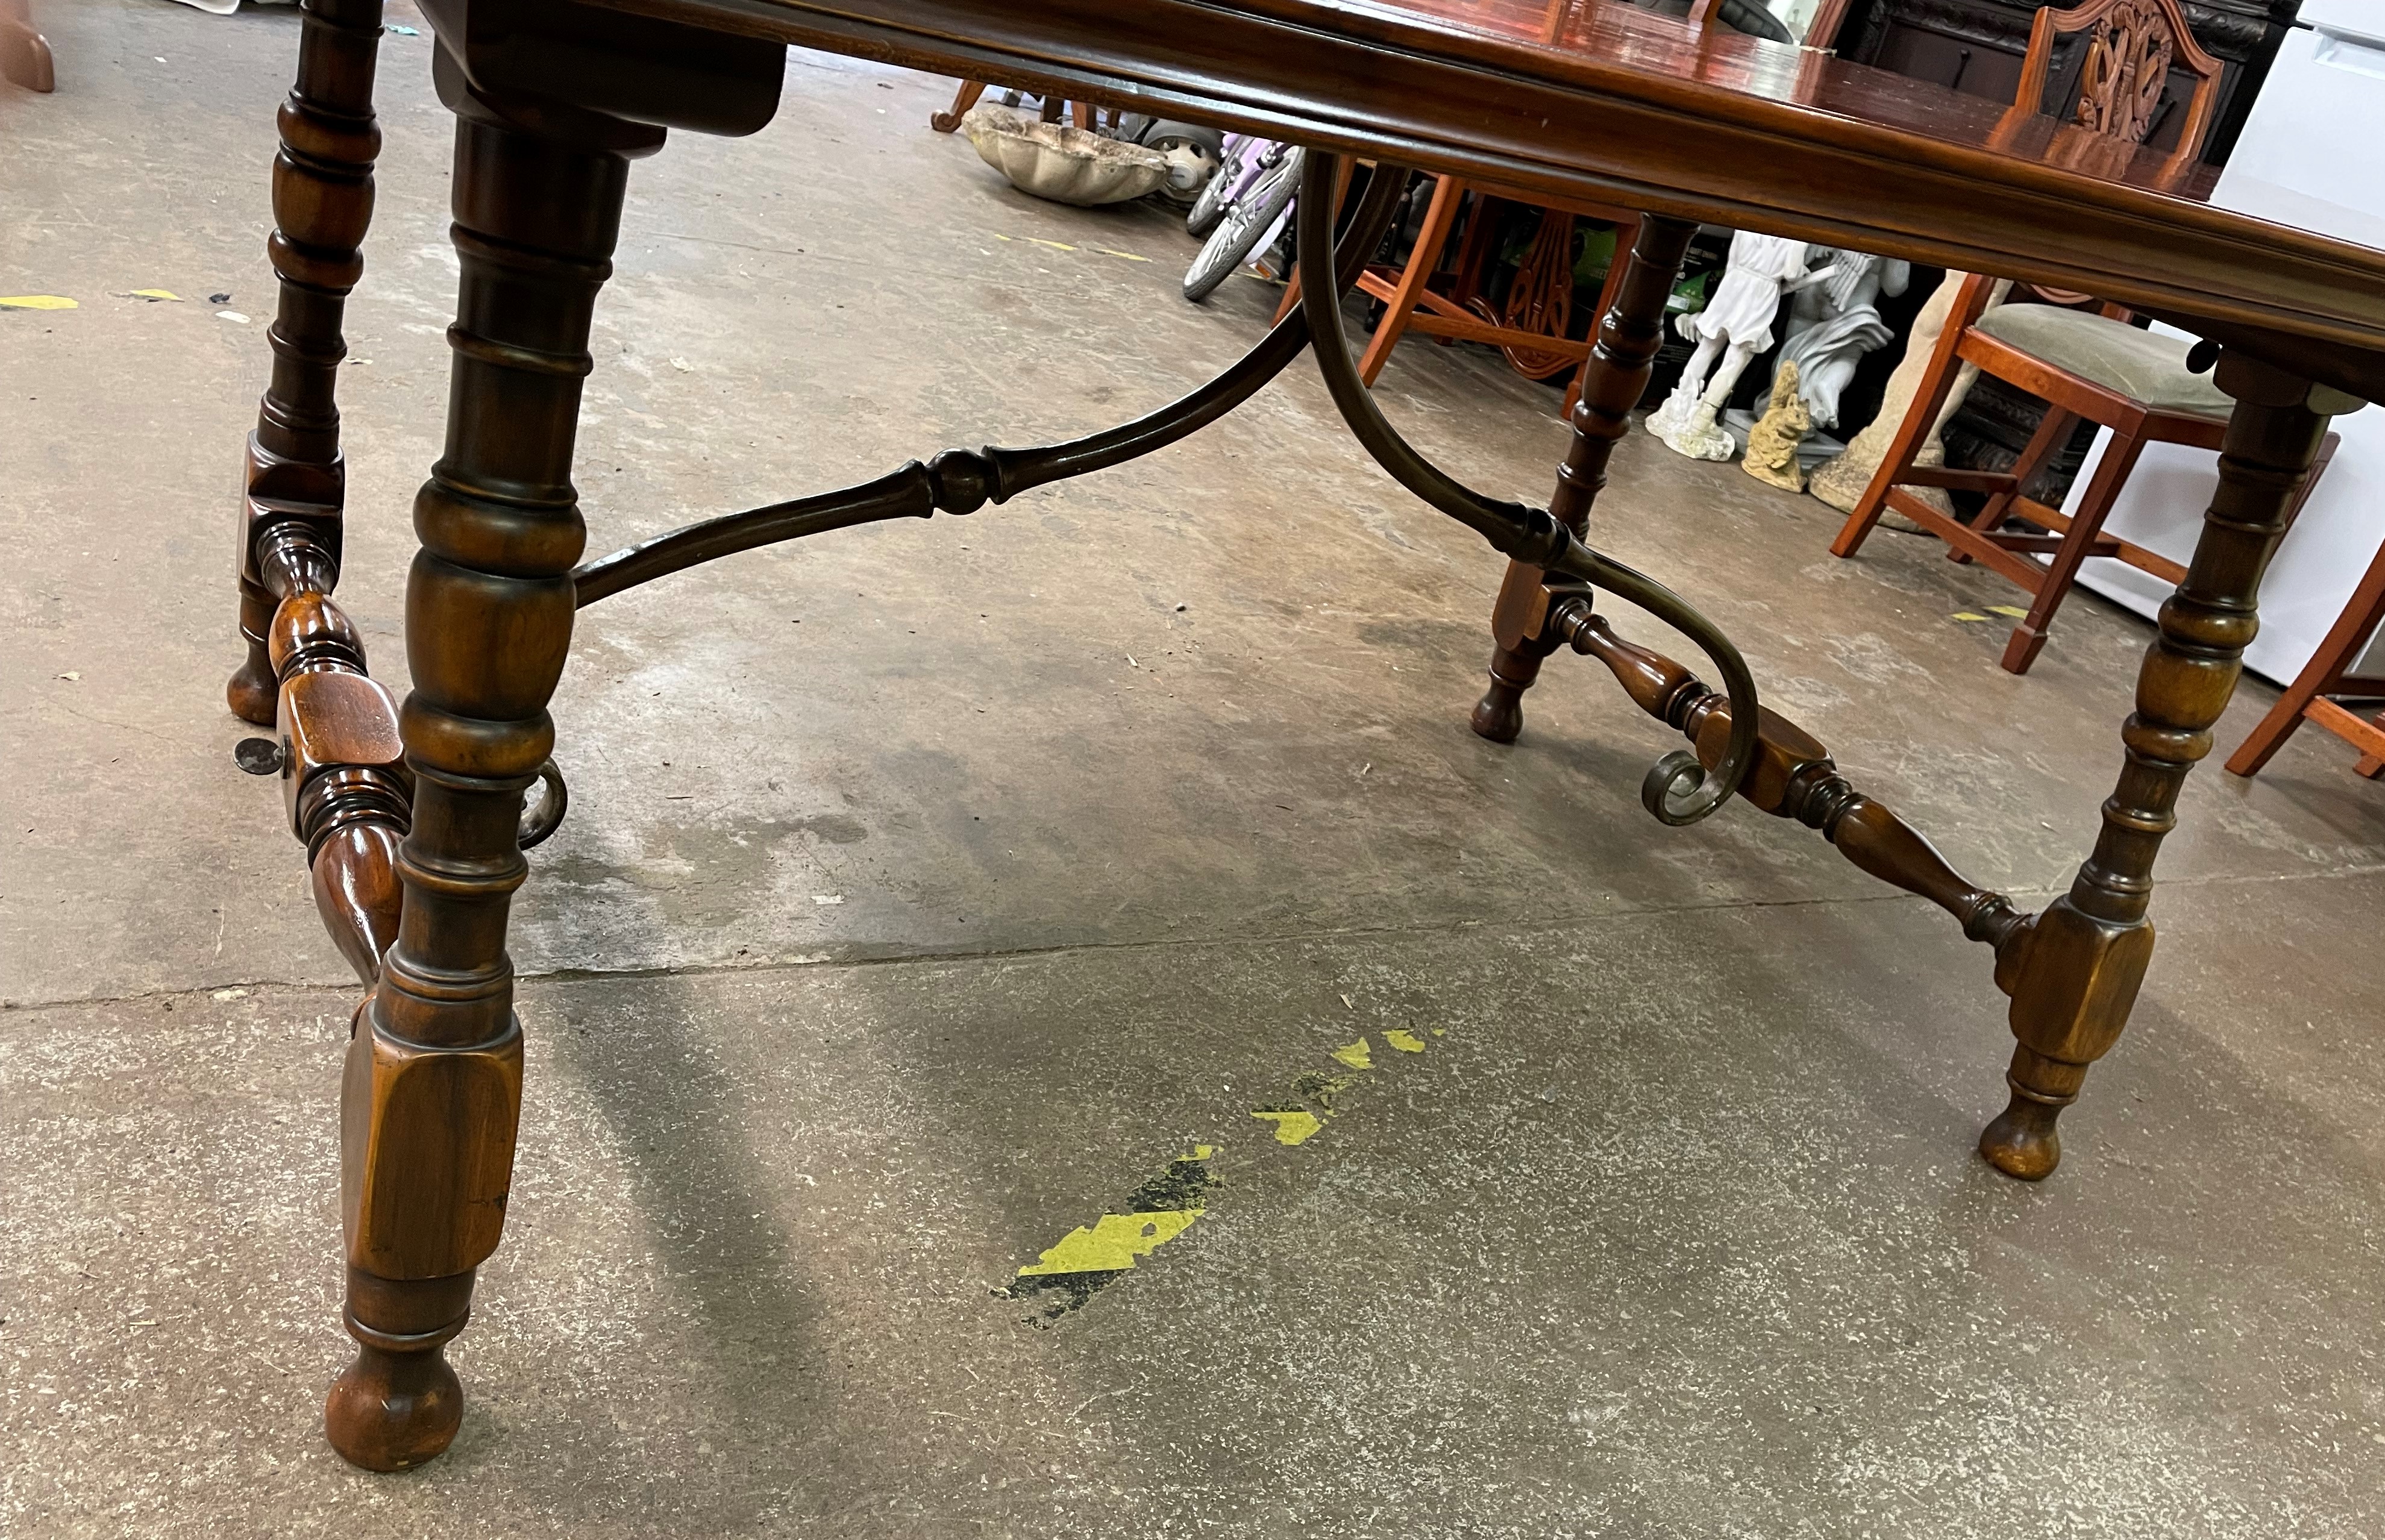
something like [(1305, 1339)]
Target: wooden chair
[(1080, 112), (1530, 327), (2087, 364), (2324, 677)]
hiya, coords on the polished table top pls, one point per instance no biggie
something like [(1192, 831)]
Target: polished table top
[(1601, 99)]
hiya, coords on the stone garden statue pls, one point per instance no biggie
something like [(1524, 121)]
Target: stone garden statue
[(1833, 324), (1735, 325)]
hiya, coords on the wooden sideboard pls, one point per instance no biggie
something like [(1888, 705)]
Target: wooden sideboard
[(1975, 46)]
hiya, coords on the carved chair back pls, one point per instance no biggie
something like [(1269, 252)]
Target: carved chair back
[(2131, 49)]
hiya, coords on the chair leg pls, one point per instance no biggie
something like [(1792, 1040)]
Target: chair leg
[(2052, 433), (1919, 419), (1622, 361), (1423, 260), (2102, 490), (964, 99), (2344, 640), (2078, 970)]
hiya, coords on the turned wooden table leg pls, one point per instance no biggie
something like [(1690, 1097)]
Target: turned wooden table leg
[(322, 202), (2085, 955), (1613, 380), (432, 1086)]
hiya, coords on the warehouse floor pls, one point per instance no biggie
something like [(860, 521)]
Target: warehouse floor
[(929, 889)]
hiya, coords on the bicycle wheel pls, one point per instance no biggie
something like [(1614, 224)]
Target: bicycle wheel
[(1210, 206), (1247, 222)]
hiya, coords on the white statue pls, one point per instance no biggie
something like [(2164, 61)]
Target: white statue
[(1736, 325), (1833, 324)]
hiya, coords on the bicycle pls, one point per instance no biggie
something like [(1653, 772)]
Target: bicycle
[(1243, 209)]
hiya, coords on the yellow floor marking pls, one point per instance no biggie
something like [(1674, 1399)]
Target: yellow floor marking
[(1966, 614), (2008, 610), (1055, 245), (1114, 1242), (154, 294), (1089, 1258), (37, 302), (1127, 255), (1292, 1127)]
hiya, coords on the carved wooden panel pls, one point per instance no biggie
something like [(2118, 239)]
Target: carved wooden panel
[(2120, 80), (1975, 46)]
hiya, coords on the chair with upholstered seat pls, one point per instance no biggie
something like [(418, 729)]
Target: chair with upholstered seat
[(2084, 363)]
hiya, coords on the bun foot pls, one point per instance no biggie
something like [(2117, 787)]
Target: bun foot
[(2023, 1141), (399, 1404), (1499, 716), (391, 1410), (253, 692)]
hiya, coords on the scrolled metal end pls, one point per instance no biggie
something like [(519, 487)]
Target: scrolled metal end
[(542, 818), (1678, 791)]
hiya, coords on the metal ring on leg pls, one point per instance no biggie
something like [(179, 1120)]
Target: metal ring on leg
[(1679, 789), (539, 822)]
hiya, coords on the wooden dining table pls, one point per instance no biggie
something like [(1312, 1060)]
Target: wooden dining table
[(416, 815)]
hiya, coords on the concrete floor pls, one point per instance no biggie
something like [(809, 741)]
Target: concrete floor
[(1141, 796)]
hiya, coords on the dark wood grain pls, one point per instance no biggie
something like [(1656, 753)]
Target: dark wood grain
[(1613, 380), (2087, 952), (1793, 777), (432, 1086), (322, 203)]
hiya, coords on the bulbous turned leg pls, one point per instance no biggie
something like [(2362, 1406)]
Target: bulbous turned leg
[(398, 1404), (249, 691), (322, 203), (2023, 1140), (1499, 716), (2078, 970), (431, 1100), (1613, 378)]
